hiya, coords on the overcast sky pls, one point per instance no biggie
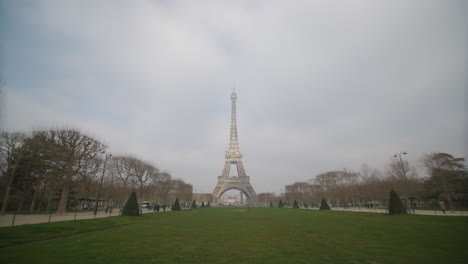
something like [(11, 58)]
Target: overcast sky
[(321, 85)]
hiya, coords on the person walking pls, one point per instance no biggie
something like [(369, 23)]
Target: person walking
[(442, 206)]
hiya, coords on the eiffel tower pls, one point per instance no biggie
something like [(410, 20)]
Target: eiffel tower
[(227, 181)]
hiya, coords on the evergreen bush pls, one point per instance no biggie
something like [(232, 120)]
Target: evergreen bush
[(306, 206), (295, 205), (324, 205), (395, 205), (271, 204), (176, 205), (208, 205), (280, 204), (131, 208), (202, 204), (194, 205)]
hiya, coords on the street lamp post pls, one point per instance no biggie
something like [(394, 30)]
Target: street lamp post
[(398, 155), (401, 162), (100, 185)]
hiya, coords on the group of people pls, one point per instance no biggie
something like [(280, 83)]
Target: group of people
[(157, 207)]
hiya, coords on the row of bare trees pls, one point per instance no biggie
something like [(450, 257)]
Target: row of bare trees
[(351, 188), (54, 169), (443, 177), (127, 173)]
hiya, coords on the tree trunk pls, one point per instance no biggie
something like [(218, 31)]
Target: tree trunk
[(33, 199), (42, 196), (68, 180), (450, 202), (48, 204), (20, 207), (141, 192), (7, 192), (62, 206), (123, 198), (7, 195)]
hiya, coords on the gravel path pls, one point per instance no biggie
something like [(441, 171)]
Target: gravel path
[(418, 212), (7, 220), (20, 219)]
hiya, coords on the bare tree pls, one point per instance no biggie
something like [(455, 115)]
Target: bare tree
[(446, 175), (350, 179), (159, 186), (143, 174), (123, 166), (399, 170), (86, 180), (63, 163), (76, 151), (371, 187), (10, 155)]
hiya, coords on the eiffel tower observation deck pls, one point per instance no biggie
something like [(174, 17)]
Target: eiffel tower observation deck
[(233, 176)]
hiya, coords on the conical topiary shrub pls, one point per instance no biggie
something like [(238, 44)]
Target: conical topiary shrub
[(202, 204), (194, 205), (131, 208), (395, 205), (280, 204), (271, 204), (208, 205), (295, 205), (176, 205), (324, 205)]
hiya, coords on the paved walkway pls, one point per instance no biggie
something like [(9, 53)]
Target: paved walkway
[(7, 220), (20, 219), (418, 212)]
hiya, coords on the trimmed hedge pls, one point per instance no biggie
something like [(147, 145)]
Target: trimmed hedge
[(176, 205), (295, 205), (395, 205), (131, 208), (280, 204), (324, 205)]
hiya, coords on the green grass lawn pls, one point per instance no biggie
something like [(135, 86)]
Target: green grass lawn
[(238, 235)]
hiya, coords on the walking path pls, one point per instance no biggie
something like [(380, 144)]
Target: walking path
[(21, 219), (7, 220), (418, 212)]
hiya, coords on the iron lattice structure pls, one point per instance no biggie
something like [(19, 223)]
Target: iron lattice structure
[(241, 182)]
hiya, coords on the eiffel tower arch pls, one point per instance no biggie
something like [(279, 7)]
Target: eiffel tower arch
[(233, 161)]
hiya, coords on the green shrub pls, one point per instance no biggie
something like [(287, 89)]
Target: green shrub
[(280, 204), (306, 206), (271, 204), (295, 205), (176, 205), (324, 205), (194, 205), (208, 205), (395, 205), (131, 208)]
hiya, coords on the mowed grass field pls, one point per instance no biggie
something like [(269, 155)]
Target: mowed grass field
[(242, 235)]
